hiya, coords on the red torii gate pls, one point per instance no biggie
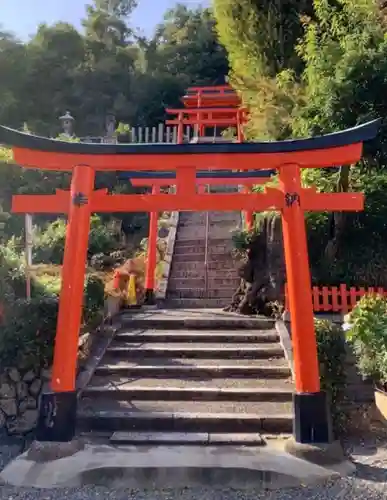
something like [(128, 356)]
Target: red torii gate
[(209, 106), (58, 409), (156, 184)]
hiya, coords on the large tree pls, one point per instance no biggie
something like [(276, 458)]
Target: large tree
[(261, 37)]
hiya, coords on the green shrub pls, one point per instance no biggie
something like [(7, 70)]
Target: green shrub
[(331, 355), (94, 295), (49, 242), (12, 276), (27, 337), (368, 334)]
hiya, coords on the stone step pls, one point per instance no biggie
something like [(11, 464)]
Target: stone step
[(189, 233), (120, 387), (195, 350), (175, 284), (202, 224), (205, 319), (195, 369), (196, 303), (184, 416), (187, 438), (188, 263), (201, 216), (205, 336), (220, 258), (201, 293), (200, 249), (202, 241), (199, 274)]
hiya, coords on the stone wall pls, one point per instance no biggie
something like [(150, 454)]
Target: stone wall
[(19, 399)]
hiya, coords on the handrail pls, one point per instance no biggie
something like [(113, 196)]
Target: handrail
[(206, 252)]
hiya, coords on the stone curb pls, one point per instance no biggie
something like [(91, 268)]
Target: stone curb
[(163, 467), (286, 343), (161, 291), (324, 455)]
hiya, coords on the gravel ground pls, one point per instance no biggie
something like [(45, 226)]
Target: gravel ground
[(369, 483)]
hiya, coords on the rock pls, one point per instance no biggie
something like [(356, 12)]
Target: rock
[(23, 406), (7, 390), (48, 452), (46, 374), (32, 403), (14, 375), (36, 387), (8, 407), (3, 419), (29, 377), (22, 390), (23, 424)]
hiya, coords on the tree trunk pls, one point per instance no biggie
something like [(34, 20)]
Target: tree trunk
[(261, 290), (339, 219)]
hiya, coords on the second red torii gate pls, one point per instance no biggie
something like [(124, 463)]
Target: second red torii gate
[(312, 420)]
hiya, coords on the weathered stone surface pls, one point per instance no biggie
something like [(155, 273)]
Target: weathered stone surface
[(9, 407), (23, 406), (36, 387), (23, 424), (32, 403), (45, 452), (45, 374), (29, 377), (3, 419), (7, 390), (14, 375), (21, 390)]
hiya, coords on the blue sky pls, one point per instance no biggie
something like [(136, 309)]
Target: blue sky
[(23, 16)]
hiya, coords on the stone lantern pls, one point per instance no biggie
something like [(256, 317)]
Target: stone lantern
[(110, 123), (67, 122)]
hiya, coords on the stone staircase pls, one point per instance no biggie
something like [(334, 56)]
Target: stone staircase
[(191, 283), (189, 377)]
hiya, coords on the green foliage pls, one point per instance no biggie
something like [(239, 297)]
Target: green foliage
[(27, 337), (368, 334), (49, 242), (107, 69), (362, 265), (94, 296), (12, 279), (331, 355), (242, 240), (261, 38), (344, 51)]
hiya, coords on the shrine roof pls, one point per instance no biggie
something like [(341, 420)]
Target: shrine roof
[(358, 134)]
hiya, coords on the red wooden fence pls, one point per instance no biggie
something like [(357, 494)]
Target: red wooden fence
[(337, 298)]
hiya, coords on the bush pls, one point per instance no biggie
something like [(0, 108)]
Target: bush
[(49, 242), (331, 355), (94, 297), (27, 337), (12, 277), (368, 334)]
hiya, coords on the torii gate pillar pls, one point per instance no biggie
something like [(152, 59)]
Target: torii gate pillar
[(150, 273), (311, 411), (70, 314)]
